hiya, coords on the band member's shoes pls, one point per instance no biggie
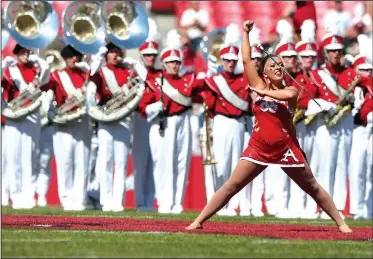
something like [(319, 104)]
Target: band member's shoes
[(177, 209), (323, 215), (164, 209), (231, 212), (42, 202), (257, 213), (245, 213), (117, 208)]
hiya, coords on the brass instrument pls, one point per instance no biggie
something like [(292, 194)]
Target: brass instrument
[(82, 26), (126, 25), (342, 108), (298, 116), (310, 119), (209, 160), (120, 105), (125, 22), (32, 24), (211, 44), (58, 62)]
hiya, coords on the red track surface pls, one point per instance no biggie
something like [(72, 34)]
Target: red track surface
[(148, 225)]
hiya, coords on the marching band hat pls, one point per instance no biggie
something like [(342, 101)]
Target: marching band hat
[(256, 52), (171, 54), (229, 51), (69, 52), (306, 49), (151, 45), (331, 41), (17, 49), (362, 62)]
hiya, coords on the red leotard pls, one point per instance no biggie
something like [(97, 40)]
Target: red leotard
[(273, 140)]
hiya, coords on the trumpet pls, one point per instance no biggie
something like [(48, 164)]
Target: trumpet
[(342, 108), (298, 116), (209, 160)]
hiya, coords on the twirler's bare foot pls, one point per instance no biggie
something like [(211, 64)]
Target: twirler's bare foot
[(344, 228), (194, 225)]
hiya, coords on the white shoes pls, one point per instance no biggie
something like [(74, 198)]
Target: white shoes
[(42, 202), (257, 213), (112, 207), (323, 215), (164, 210), (177, 209), (245, 213)]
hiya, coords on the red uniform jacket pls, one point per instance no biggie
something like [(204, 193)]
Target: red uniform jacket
[(218, 104), (303, 97), (185, 86), (121, 75), (329, 87), (77, 77), (11, 90)]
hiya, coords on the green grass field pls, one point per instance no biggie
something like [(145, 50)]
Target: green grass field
[(91, 243)]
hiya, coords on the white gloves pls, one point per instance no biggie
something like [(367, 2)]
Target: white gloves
[(46, 102), (212, 65), (98, 60), (314, 108), (152, 110), (8, 62), (139, 67), (83, 66)]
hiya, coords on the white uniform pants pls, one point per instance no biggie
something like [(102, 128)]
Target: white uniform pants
[(45, 157), (142, 163), (313, 160), (93, 179), (357, 169), (297, 197), (114, 146), (334, 144), (276, 189), (71, 148), (4, 176), (171, 156), (228, 134), (368, 199), (21, 140)]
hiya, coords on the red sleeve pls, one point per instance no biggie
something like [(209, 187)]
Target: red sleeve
[(147, 98), (304, 97), (97, 80), (304, 12), (366, 108), (198, 87)]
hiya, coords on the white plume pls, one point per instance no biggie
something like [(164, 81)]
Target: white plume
[(285, 30), (173, 39), (365, 45), (232, 35), (334, 27), (153, 34), (308, 31), (254, 36)]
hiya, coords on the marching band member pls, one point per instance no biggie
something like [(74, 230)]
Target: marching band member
[(366, 116), (277, 198), (332, 143), (357, 166), (306, 49), (71, 140), (141, 155), (114, 136), (21, 135), (168, 106), (228, 99)]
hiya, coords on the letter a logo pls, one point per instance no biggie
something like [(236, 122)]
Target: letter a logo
[(287, 154)]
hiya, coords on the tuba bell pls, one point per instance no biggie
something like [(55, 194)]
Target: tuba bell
[(33, 24), (4, 32), (82, 26), (126, 23)]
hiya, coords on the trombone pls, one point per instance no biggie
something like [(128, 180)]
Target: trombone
[(209, 159)]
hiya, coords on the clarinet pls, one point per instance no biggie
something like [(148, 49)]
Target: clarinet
[(162, 113)]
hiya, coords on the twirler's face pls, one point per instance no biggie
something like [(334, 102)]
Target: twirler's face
[(273, 71)]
